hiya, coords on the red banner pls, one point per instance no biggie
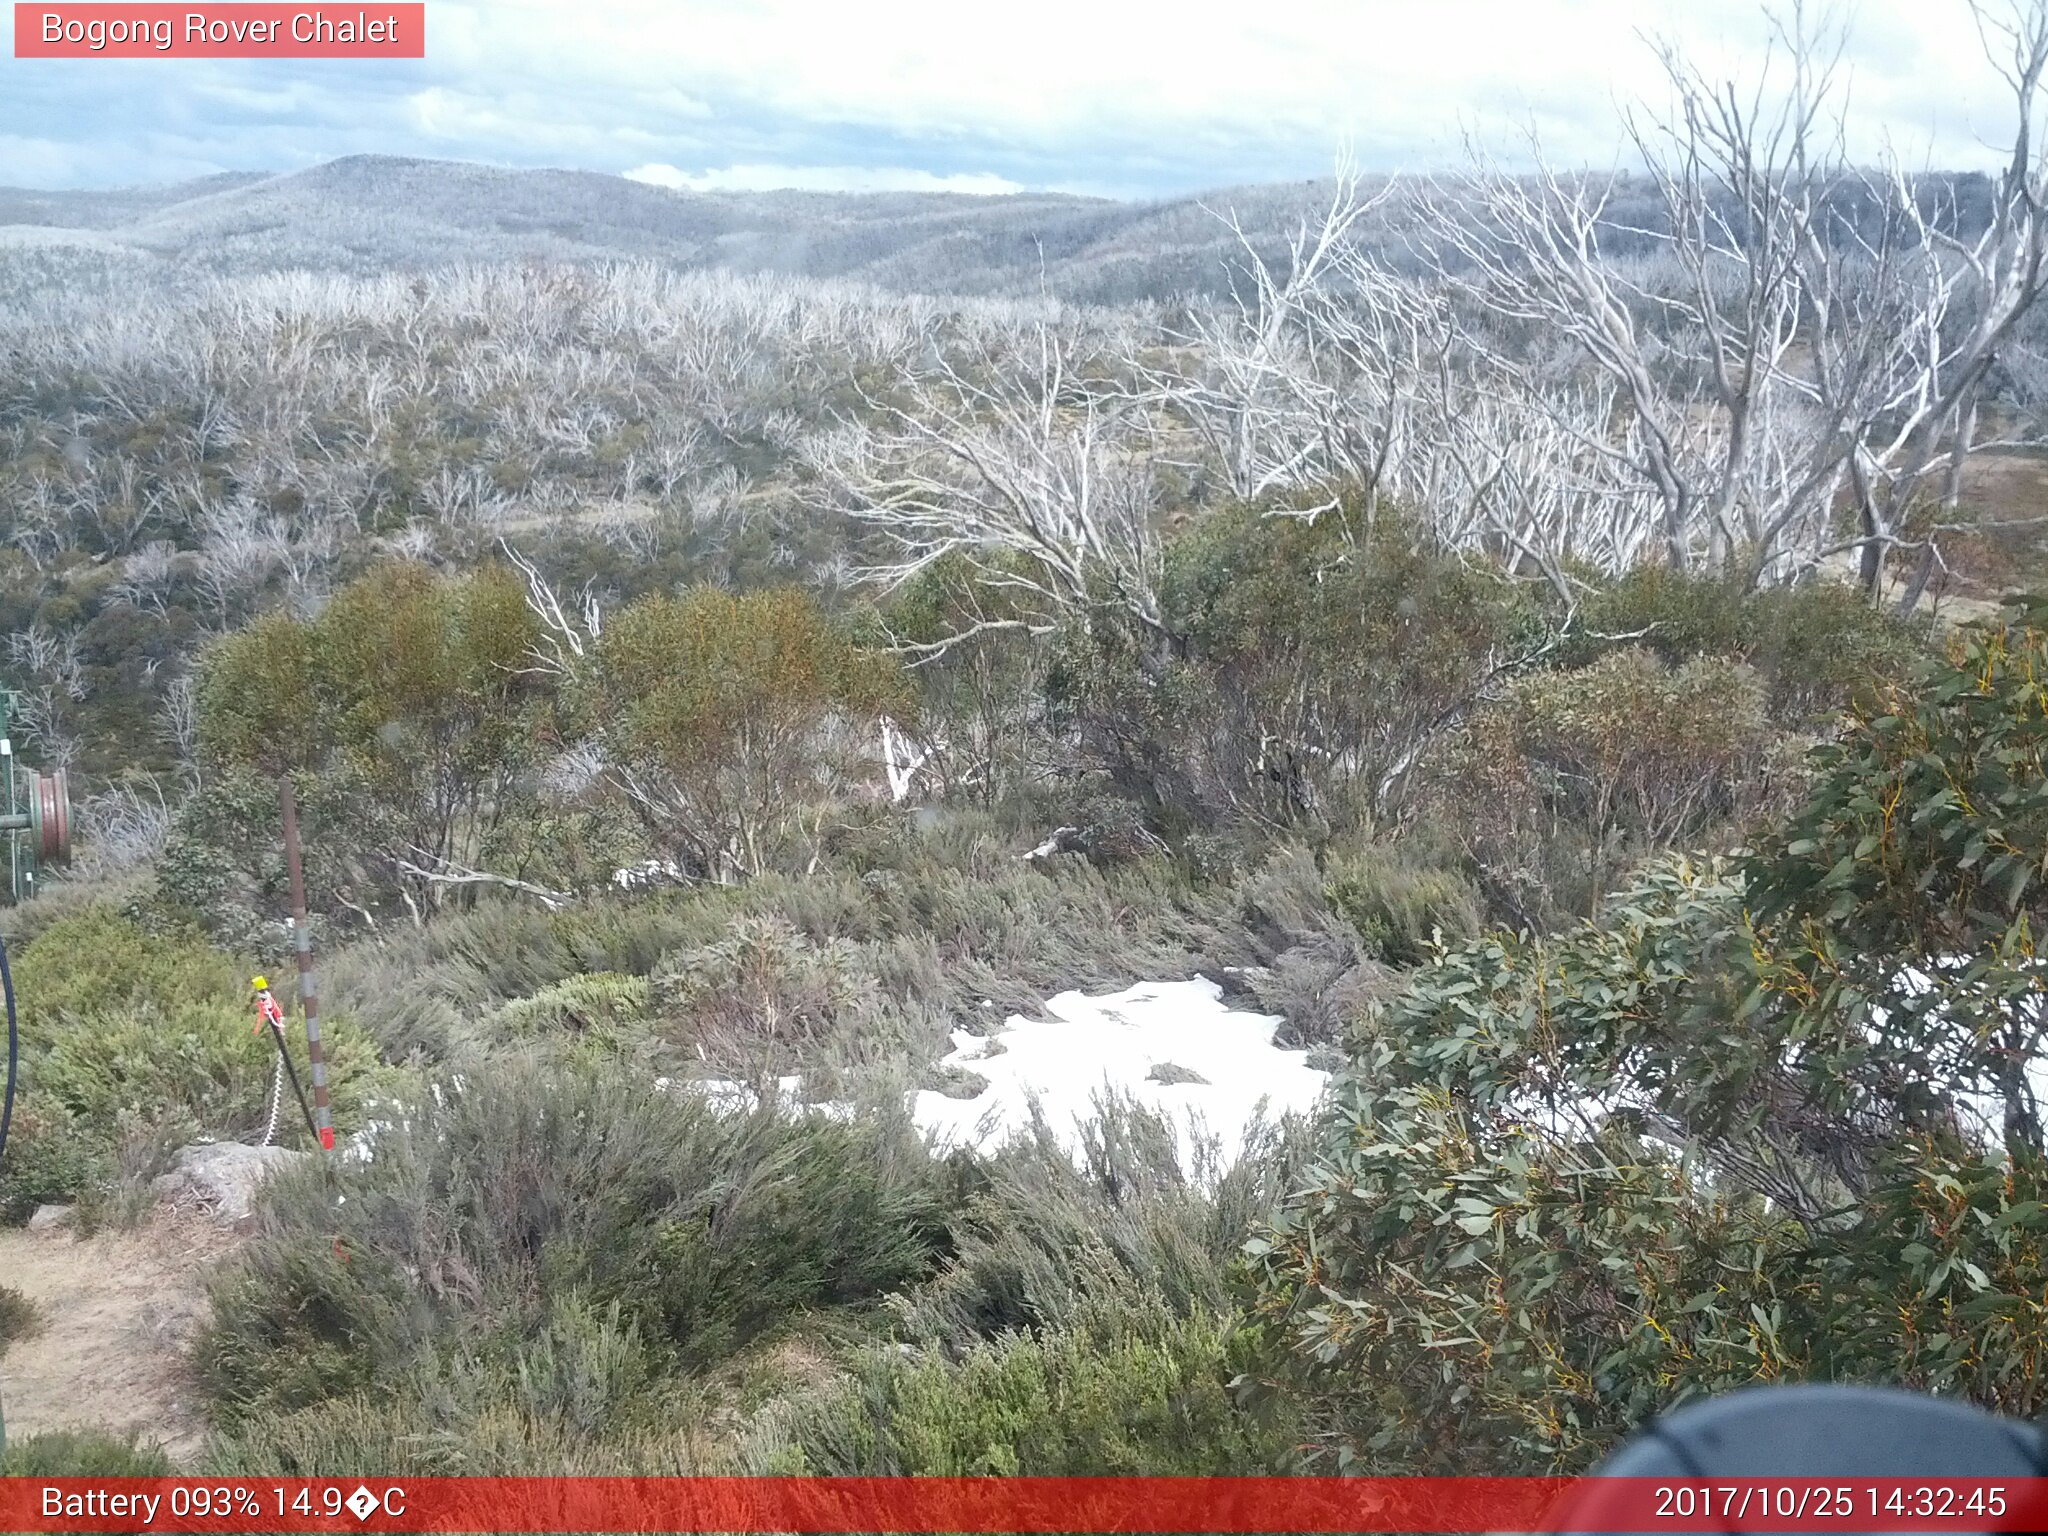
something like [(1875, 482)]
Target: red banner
[(1021, 1504), (214, 31)]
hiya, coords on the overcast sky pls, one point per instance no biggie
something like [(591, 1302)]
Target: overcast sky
[(1125, 98)]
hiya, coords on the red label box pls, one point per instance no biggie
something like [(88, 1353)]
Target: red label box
[(1042, 1506), (260, 30)]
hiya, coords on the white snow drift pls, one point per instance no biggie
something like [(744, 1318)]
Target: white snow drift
[(1116, 1043)]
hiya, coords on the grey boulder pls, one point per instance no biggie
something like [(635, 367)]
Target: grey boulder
[(223, 1176)]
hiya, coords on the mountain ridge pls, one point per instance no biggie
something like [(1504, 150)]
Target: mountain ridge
[(362, 214)]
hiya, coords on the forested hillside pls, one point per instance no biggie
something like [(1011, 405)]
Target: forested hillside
[(1560, 653)]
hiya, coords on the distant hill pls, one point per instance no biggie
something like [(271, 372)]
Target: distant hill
[(380, 213), (373, 213)]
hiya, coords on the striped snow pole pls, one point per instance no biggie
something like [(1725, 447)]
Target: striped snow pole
[(302, 946)]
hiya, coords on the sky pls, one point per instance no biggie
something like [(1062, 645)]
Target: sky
[(1117, 98)]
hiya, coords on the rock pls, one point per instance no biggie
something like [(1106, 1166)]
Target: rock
[(1063, 840), (223, 1176), (49, 1219)]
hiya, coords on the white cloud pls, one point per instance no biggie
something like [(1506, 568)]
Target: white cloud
[(820, 178), (1390, 74), (930, 94)]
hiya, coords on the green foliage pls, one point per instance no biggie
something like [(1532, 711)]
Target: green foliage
[(82, 1453), (1937, 1284), (1747, 1125), (763, 993), (581, 1393), (738, 713), (1575, 775), (1475, 1270), (1814, 647), (1132, 1389), (99, 962), (136, 1042), (1042, 1232), (403, 711), (493, 1193), (1909, 883), (258, 699), (1400, 906), (1311, 658), (983, 695), (904, 933), (596, 1000), (20, 1317), (202, 1062), (50, 1158)]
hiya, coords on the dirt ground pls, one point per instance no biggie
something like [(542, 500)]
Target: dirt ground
[(117, 1311)]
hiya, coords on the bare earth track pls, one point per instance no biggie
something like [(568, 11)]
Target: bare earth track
[(117, 1310)]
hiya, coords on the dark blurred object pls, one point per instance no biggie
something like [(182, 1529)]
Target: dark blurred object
[(1818, 1431)]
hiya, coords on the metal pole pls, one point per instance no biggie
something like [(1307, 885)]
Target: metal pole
[(302, 944)]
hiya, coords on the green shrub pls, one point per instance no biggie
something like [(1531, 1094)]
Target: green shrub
[(1815, 647), (100, 963), (1579, 1276), (1730, 1130), (736, 712), (595, 1000), (488, 1195), (131, 1037), (82, 1453), (1401, 908), (404, 711), (20, 1317), (983, 695), (1309, 658), (51, 1158), (578, 1390), (1043, 1231), (763, 992), (1132, 1388), (477, 1429), (1575, 776), (202, 1059)]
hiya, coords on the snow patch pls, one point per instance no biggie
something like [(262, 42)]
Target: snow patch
[(1114, 1043)]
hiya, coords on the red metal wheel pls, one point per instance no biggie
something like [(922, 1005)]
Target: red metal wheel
[(50, 805)]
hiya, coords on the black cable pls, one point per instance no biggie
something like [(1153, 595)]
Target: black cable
[(7, 1101), (13, 1049)]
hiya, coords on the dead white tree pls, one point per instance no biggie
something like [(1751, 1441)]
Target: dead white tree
[(179, 726), (1913, 439), (443, 873), (1262, 380), (51, 656), (1703, 364), (121, 828), (1821, 332), (564, 640), (235, 557), (1016, 463), (147, 576)]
